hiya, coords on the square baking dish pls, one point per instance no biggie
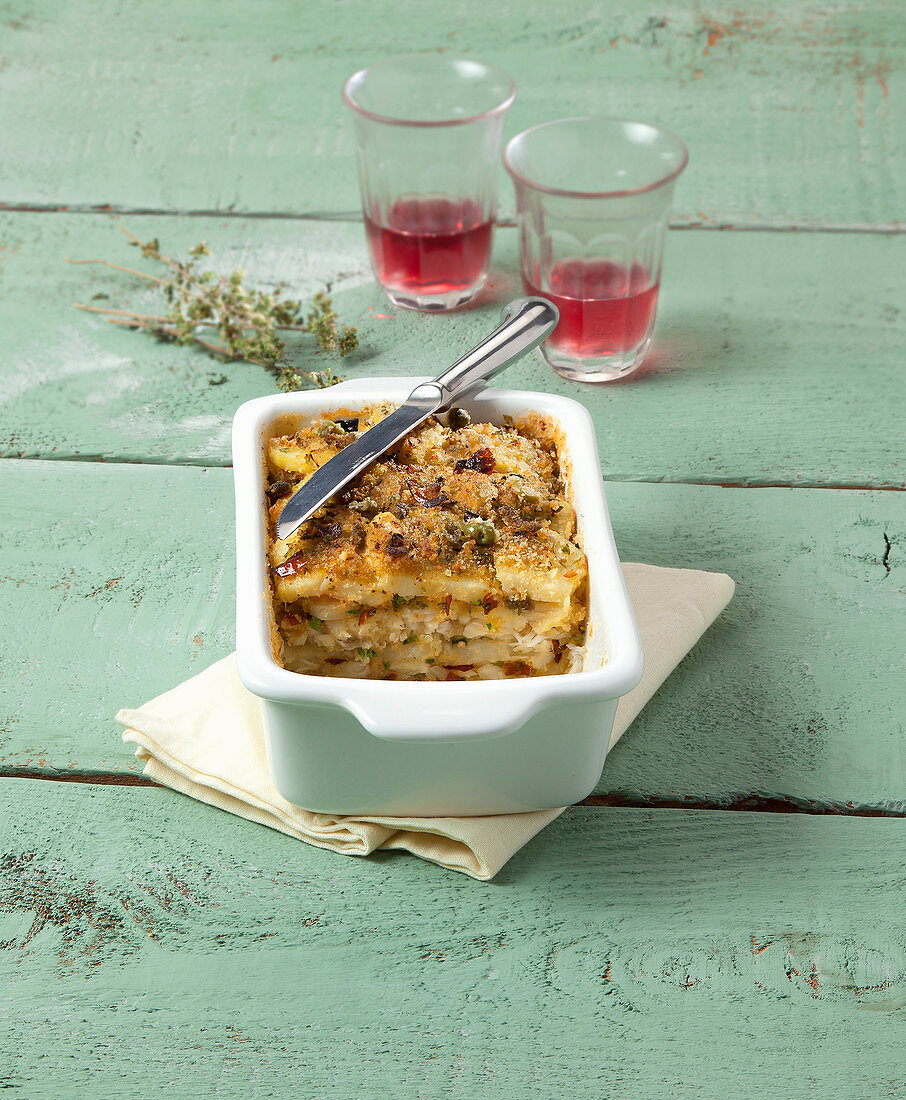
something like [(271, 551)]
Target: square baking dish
[(434, 749)]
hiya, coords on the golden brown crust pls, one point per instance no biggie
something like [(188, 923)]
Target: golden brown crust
[(471, 516)]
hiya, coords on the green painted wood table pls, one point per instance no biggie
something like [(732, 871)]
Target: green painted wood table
[(723, 917)]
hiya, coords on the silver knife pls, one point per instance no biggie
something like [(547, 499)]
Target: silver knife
[(525, 322)]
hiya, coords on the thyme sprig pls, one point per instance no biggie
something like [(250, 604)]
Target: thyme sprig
[(247, 320)]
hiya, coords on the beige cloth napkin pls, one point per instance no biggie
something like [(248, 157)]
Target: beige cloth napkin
[(205, 738)]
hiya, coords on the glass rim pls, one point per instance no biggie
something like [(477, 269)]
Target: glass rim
[(566, 192), (392, 120)]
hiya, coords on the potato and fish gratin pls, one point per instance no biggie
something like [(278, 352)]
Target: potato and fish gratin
[(453, 557)]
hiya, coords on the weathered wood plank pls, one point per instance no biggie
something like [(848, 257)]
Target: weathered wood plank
[(796, 692), (73, 385), (777, 357), (789, 110), (129, 582), (148, 941)]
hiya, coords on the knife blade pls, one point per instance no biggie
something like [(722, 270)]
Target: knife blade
[(525, 323), (345, 465)]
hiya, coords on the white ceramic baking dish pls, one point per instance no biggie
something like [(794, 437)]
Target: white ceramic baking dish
[(348, 746)]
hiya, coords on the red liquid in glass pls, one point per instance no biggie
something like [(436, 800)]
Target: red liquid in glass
[(430, 246), (604, 308)]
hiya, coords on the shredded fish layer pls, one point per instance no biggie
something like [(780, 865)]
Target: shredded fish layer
[(454, 557)]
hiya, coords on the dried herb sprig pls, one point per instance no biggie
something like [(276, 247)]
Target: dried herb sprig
[(247, 320)]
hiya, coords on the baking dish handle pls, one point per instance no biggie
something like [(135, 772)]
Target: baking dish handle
[(391, 720)]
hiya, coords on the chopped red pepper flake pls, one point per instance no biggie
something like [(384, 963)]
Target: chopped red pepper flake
[(365, 613), (482, 460), (558, 650), (517, 668), (447, 602), (488, 603), (431, 496), (291, 566)]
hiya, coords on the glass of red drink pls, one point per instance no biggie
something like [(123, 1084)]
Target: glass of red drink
[(593, 197), (428, 133)]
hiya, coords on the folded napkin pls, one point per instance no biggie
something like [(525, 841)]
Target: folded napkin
[(205, 738)]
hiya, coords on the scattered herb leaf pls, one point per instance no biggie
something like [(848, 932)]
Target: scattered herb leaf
[(246, 320)]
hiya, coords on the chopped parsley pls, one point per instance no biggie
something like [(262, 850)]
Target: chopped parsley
[(401, 601)]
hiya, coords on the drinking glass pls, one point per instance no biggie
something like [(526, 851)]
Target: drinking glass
[(428, 135), (593, 197)]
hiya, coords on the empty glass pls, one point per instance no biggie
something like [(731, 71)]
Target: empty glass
[(428, 133), (593, 197)]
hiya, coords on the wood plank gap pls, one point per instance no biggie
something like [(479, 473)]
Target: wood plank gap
[(56, 775), (749, 803), (884, 229), (211, 463), (880, 228), (155, 212), (755, 484), (109, 460)]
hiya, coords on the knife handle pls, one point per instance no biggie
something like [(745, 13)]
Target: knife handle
[(525, 323)]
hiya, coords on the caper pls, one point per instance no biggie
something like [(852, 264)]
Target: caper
[(481, 530), (458, 418), (522, 493)]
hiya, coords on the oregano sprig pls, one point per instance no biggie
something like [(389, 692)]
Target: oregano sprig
[(247, 320)]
